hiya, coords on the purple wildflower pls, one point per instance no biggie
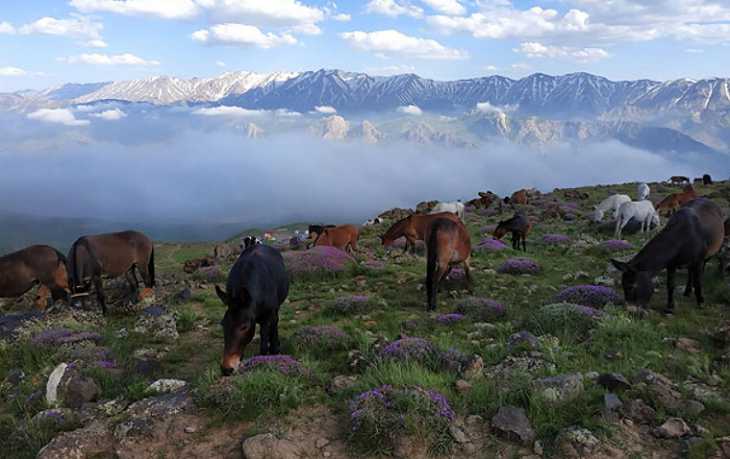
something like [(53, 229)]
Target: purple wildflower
[(457, 274), (284, 364), (442, 404), (410, 348), (320, 258), (354, 304), (481, 309), (589, 295), (555, 239), (519, 266), (616, 245), (106, 364), (490, 245), (449, 318), (325, 337)]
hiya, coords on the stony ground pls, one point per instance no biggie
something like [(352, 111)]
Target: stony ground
[(540, 358)]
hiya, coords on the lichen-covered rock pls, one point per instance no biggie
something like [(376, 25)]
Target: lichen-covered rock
[(268, 446), (158, 323), (94, 440), (166, 386), (66, 386), (560, 388), (577, 442), (512, 423)]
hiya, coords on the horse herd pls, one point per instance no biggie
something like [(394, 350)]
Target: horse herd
[(258, 282)]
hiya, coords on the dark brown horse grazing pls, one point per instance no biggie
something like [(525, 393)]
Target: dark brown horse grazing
[(112, 255), (691, 236), (519, 226), (447, 243), (344, 237), (413, 228), (38, 264)]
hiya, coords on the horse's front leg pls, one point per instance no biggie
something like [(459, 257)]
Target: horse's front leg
[(690, 280), (671, 271), (697, 278)]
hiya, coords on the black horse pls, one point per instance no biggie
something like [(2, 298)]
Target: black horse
[(257, 286), (692, 235)]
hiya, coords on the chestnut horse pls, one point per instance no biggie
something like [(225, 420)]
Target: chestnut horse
[(447, 243), (344, 237), (38, 264), (112, 255), (519, 226), (693, 234), (413, 228), (519, 197), (676, 200)]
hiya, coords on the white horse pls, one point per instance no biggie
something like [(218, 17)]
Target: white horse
[(642, 191), (612, 202), (643, 211), (456, 207), (373, 221)]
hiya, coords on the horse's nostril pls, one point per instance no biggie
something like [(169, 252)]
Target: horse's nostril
[(227, 371)]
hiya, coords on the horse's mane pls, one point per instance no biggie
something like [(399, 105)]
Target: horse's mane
[(397, 226)]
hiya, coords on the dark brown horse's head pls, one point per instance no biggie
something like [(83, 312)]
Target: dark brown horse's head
[(500, 230), (394, 232), (238, 328), (638, 285)]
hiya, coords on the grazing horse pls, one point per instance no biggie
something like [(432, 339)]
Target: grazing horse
[(456, 207), (676, 200), (344, 237), (642, 211), (679, 180), (706, 179), (484, 200), (257, 286), (113, 255), (692, 235), (612, 202), (413, 228), (519, 226), (314, 231), (38, 264), (447, 243), (518, 197), (642, 191)]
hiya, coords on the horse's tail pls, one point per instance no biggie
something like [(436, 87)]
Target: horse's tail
[(151, 267)]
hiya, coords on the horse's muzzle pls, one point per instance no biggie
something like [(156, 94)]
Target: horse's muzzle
[(226, 371)]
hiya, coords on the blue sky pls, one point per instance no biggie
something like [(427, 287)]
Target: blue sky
[(48, 42)]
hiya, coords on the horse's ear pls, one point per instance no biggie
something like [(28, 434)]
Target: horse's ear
[(620, 265), (223, 295)]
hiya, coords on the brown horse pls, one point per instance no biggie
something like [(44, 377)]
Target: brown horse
[(38, 264), (693, 234), (447, 243), (519, 197), (519, 226), (413, 228), (112, 255), (676, 200), (484, 201), (344, 237)]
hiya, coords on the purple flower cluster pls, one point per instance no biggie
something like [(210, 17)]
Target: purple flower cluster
[(595, 296), (61, 336), (284, 364), (320, 258), (555, 239), (327, 337), (447, 319), (481, 309), (443, 408), (410, 349), (616, 245), (354, 304), (519, 266), (490, 244), (457, 274)]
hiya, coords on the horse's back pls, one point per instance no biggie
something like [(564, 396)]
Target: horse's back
[(711, 221), (261, 271)]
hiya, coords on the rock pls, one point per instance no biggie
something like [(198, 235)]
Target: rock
[(55, 419), (10, 324), (511, 366), (693, 407), (473, 419), (184, 295), (537, 448), (112, 407), (94, 440), (77, 389), (342, 382), (64, 336), (458, 435), (662, 390), (142, 415), (702, 392), (190, 429), (475, 368), (560, 388), (688, 345), (672, 428), (521, 341), (512, 423), (724, 444), (462, 386), (267, 446), (52, 385), (321, 443), (611, 402), (165, 386), (613, 381), (639, 411), (606, 281), (157, 322), (576, 442)]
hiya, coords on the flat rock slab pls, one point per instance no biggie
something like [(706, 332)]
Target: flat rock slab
[(512, 423), (10, 323)]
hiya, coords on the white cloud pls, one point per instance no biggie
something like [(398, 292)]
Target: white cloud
[(342, 17), (241, 35), (486, 107), (58, 116), (11, 72), (449, 7), (521, 67), (490, 68), (7, 28), (694, 51), (165, 9), (271, 13), (284, 113), (393, 8), (109, 59), (539, 50), (220, 63), (411, 110), (228, 111), (96, 44), (389, 70), (110, 115), (77, 27), (326, 109), (393, 42)]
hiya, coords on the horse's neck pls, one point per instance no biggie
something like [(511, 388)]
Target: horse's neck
[(398, 230), (657, 254), (607, 204)]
